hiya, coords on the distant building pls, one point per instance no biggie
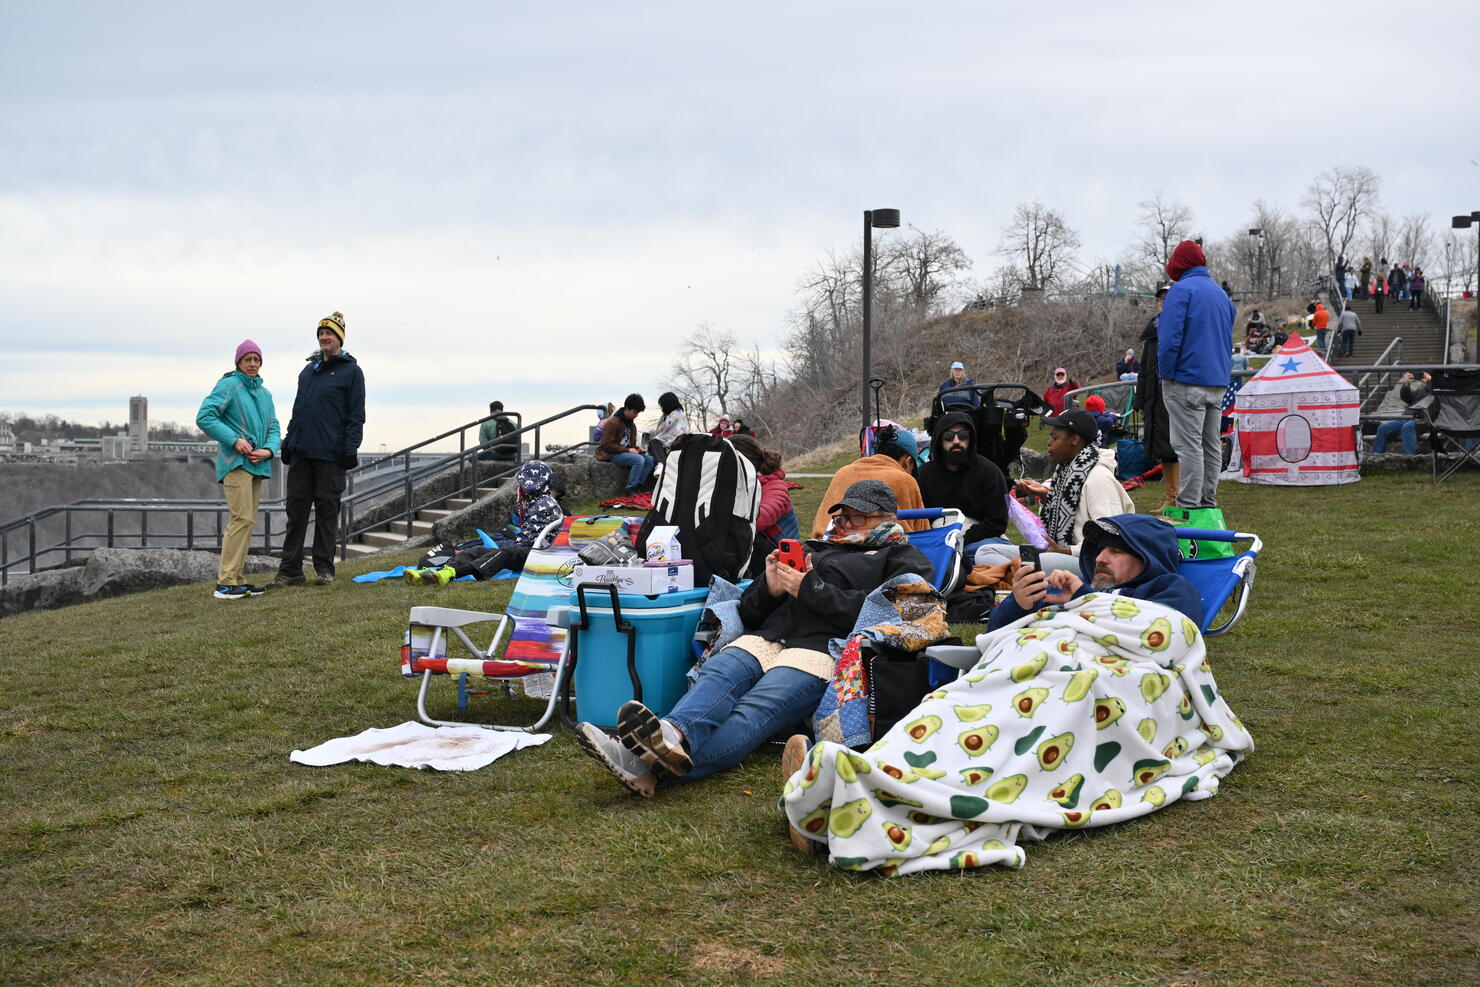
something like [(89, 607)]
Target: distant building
[(7, 438), (138, 425)]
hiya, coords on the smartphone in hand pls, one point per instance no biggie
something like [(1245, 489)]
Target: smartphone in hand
[(1029, 553), (789, 553)]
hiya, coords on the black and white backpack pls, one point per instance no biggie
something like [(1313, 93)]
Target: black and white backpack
[(711, 492)]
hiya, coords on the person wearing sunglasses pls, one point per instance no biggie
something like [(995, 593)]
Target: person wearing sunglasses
[(774, 674), (958, 476)]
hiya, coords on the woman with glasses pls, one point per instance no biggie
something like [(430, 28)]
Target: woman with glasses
[(772, 676)]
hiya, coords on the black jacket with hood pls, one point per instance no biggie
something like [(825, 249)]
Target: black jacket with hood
[(328, 411), (1153, 540), (976, 488), (1156, 428)]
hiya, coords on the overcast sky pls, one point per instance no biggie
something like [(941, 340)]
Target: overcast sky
[(536, 205)]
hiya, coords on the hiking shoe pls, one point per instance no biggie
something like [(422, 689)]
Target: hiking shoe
[(656, 742), (324, 579), (283, 579), (412, 576), (224, 592), (624, 765)]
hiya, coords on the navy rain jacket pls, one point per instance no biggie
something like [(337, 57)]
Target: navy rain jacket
[(328, 412)]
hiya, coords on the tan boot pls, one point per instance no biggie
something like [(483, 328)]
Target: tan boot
[(1171, 481)]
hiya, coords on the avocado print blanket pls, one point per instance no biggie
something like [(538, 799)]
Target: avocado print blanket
[(1086, 714)]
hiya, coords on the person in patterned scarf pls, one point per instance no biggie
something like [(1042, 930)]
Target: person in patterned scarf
[(534, 511), (1083, 487), (774, 675)]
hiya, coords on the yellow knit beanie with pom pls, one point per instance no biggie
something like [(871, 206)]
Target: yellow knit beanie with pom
[(335, 324)]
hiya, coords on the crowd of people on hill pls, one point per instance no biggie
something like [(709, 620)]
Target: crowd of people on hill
[(1401, 282)]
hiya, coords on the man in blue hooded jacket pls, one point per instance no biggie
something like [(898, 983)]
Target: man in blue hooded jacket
[(1132, 555), (1194, 359), (322, 442)]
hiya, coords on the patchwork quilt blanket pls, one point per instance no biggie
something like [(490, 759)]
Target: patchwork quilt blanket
[(1087, 714)]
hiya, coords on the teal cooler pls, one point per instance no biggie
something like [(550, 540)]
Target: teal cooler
[(657, 632)]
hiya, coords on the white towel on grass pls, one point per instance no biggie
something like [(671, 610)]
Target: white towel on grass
[(416, 745)]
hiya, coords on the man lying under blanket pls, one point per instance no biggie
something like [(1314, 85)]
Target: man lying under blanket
[(1088, 712)]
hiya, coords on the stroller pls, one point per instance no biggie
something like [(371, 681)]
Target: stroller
[(1001, 420)]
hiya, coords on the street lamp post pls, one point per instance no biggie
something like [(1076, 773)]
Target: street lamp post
[(1258, 261), (1460, 223), (880, 219)]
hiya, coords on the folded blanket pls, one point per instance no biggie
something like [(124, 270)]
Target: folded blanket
[(1086, 714), (417, 745)]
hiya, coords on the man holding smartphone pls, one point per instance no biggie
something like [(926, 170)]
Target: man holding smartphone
[(1132, 555)]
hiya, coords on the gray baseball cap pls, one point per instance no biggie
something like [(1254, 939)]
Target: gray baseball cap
[(867, 497)]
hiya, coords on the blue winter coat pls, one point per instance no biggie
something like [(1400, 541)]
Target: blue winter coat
[(328, 412), (239, 407), (961, 397), (1152, 539), (1195, 332)]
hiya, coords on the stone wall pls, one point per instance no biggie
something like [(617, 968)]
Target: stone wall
[(115, 572)]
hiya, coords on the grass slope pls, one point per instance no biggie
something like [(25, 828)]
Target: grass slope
[(152, 828)]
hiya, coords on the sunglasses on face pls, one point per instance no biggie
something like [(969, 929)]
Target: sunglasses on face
[(957, 436)]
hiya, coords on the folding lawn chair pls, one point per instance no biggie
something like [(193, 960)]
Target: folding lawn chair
[(1452, 411), (535, 659)]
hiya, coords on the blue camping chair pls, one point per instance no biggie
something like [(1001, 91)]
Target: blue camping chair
[(1217, 580), (943, 543)]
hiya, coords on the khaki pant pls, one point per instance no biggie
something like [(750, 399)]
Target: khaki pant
[(243, 494)]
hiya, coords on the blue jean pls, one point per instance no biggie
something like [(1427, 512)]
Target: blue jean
[(733, 708), (1321, 341), (1406, 429), (639, 467)]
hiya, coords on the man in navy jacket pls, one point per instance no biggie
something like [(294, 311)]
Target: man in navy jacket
[(1132, 555), (322, 442), (1194, 359)]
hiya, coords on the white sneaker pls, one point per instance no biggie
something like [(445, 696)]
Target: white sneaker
[(608, 752)]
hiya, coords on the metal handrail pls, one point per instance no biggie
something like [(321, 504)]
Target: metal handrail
[(406, 479), (1394, 346)]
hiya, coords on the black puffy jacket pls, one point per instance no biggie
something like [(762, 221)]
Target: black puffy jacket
[(832, 593)]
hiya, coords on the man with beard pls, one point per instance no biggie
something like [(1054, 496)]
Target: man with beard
[(1132, 555), (957, 476)]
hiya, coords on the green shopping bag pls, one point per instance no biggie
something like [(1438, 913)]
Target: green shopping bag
[(1200, 517)]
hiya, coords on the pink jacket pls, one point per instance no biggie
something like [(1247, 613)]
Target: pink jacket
[(775, 502)]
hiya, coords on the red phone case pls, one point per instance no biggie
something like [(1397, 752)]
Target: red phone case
[(789, 552)]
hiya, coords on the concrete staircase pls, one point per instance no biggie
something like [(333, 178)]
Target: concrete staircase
[(1422, 332), (397, 533)]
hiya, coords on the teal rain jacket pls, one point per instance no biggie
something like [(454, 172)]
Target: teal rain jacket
[(240, 407)]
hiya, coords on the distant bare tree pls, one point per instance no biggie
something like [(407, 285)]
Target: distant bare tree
[(1414, 239), (1040, 243), (704, 373), (1379, 238), (1338, 200), (1163, 223), (920, 268), (1459, 260)]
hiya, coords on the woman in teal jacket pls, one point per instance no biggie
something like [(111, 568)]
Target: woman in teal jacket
[(239, 415)]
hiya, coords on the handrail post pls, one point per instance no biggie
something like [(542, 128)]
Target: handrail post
[(67, 523), (143, 528), (189, 531), (31, 534), (110, 529)]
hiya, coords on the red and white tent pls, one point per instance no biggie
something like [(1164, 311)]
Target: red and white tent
[(1295, 422)]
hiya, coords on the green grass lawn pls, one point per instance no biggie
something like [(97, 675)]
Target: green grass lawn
[(152, 828)]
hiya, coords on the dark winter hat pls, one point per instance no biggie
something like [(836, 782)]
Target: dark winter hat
[(1078, 421), (867, 497), (334, 323), (1187, 256), (1163, 288)]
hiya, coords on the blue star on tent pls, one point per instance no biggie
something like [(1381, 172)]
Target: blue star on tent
[(1289, 366)]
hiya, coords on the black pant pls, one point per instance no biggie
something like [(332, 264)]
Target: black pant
[(485, 563), (1377, 301), (316, 484)]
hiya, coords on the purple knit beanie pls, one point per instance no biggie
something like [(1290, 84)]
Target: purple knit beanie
[(247, 346)]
